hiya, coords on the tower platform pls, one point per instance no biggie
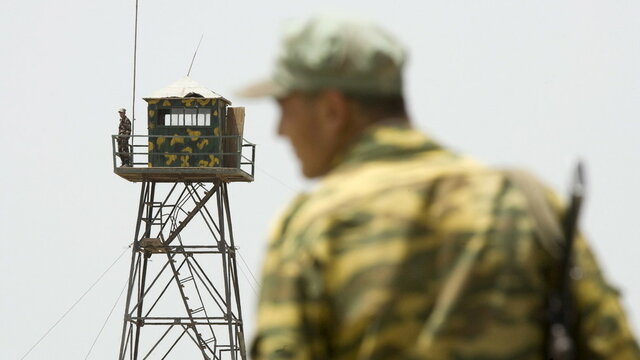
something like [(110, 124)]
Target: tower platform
[(232, 162), (182, 174)]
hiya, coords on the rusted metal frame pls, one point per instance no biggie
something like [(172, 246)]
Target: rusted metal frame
[(196, 198), (173, 211), (224, 350), (233, 271), (192, 213), (152, 283), (247, 144), (146, 291), (158, 342), (142, 274), (221, 299), (147, 153), (175, 342), (241, 344), (149, 208), (207, 217), (203, 249), (239, 145), (217, 356), (183, 249), (144, 192), (135, 272), (174, 221), (140, 321), (126, 340), (195, 284), (200, 186), (185, 198), (196, 341), (176, 136), (215, 346), (162, 205), (236, 293), (198, 320), (114, 141), (139, 272), (229, 268), (198, 252), (227, 282), (234, 277), (253, 159), (134, 152), (201, 345), (151, 218), (227, 349), (113, 149), (182, 153), (182, 294), (172, 217), (204, 343), (220, 302), (232, 256), (190, 189), (163, 290), (131, 342)]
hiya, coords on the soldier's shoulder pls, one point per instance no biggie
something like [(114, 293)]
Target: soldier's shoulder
[(280, 225), (393, 182)]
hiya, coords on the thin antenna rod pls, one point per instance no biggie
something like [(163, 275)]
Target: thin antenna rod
[(194, 54), (133, 95)]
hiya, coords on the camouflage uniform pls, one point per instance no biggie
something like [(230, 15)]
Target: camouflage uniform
[(124, 130), (408, 251)]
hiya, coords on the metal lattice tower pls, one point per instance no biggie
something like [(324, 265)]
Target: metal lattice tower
[(183, 300)]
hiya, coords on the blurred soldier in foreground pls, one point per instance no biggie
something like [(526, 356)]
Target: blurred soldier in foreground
[(405, 250), (124, 130)]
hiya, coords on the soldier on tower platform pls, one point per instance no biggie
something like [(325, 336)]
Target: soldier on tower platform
[(124, 131), (405, 249)]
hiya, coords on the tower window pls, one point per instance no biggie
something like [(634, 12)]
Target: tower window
[(179, 116)]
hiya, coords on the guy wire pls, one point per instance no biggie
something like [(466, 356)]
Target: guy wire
[(74, 304), (105, 320)]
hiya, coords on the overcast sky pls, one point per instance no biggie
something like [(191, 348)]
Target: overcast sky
[(533, 84)]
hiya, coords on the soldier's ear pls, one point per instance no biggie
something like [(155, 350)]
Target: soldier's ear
[(333, 110)]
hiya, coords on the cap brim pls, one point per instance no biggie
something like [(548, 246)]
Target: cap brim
[(266, 88)]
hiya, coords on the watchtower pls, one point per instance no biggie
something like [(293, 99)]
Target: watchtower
[(182, 296)]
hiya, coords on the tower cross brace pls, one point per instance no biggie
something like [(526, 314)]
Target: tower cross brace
[(182, 297)]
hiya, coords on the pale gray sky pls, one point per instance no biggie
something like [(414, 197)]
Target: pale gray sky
[(535, 84)]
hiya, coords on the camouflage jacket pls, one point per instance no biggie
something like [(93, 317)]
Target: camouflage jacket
[(124, 128), (408, 251)]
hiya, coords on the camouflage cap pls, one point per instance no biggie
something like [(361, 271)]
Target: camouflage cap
[(353, 56)]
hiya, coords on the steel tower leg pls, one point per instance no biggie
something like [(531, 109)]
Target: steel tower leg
[(183, 298)]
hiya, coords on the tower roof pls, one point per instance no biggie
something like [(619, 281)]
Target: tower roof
[(183, 87)]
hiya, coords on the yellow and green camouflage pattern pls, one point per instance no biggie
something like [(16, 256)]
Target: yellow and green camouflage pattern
[(409, 251), (186, 145)]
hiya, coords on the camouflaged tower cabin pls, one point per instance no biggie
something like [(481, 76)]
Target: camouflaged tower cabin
[(187, 127), (193, 135)]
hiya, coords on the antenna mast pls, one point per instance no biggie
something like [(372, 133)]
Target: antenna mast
[(194, 54), (133, 95)]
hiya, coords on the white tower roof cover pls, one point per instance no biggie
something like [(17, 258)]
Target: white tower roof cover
[(183, 87)]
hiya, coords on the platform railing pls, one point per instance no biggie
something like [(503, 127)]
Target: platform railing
[(232, 147)]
